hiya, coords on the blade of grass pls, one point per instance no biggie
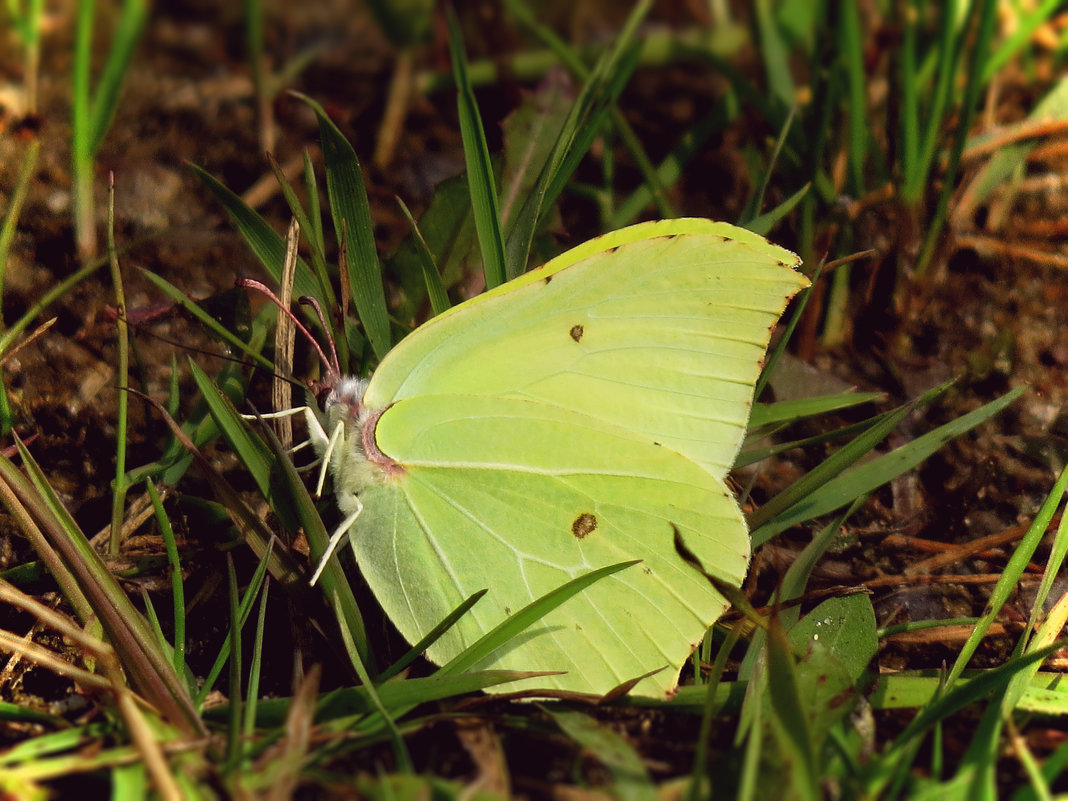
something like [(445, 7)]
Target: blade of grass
[(131, 23), (266, 244), (333, 581), (775, 54), (205, 319), (312, 235), (354, 228), (652, 183), (670, 169), (525, 617), (631, 780), (788, 719), (14, 208), (7, 236), (790, 411), (346, 709), (987, 12), (400, 750), (439, 298), (432, 636), (851, 43), (1025, 22), (764, 521), (92, 590), (1010, 576), (252, 529), (756, 202), (234, 661), (119, 486), (177, 585), (238, 618), (863, 479), (92, 116), (583, 125), (480, 180), (50, 296)]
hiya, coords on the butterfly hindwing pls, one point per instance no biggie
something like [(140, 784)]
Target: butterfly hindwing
[(521, 497)]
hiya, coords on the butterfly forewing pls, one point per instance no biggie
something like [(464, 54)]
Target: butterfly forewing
[(664, 336)]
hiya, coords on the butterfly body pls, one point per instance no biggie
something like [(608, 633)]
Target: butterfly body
[(582, 415)]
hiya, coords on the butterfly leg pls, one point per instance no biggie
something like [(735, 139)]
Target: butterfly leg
[(335, 540), (274, 415)]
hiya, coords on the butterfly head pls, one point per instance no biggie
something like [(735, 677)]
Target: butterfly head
[(341, 397)]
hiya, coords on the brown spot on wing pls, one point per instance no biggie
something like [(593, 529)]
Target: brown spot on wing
[(576, 332), (584, 525)]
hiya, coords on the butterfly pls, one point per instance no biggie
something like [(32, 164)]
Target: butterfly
[(581, 415)]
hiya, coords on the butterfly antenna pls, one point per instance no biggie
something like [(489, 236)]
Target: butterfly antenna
[(259, 286), (334, 364)]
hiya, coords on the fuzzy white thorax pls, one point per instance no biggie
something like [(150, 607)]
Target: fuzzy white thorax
[(338, 440)]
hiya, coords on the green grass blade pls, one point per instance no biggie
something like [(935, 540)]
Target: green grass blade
[(631, 781), (105, 101), (253, 530), (234, 660), (435, 290), (252, 691), (346, 708), (482, 184), (266, 244), (177, 584), (976, 688), (843, 489), (788, 720), (1026, 21), (792, 411), (1010, 575), (528, 615), (756, 201), (931, 118), (651, 179), (250, 450), (987, 12), (205, 319), (312, 231), (852, 43), (764, 520), (333, 581), (81, 136), (775, 54), (351, 213), (583, 125), (670, 169), (14, 210), (238, 619), (432, 636), (384, 716), (93, 589)]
